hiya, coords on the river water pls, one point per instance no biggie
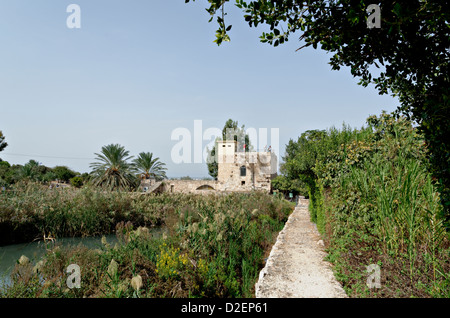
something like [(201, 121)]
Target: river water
[(10, 254)]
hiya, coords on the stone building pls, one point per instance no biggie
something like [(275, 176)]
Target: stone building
[(237, 171), (244, 171)]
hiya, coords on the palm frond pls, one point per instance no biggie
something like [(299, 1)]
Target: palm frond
[(112, 169), (149, 167)]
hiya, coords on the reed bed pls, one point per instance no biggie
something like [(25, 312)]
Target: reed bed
[(32, 211), (212, 246), (381, 206)]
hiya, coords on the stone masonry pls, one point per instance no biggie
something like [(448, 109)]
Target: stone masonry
[(237, 172)]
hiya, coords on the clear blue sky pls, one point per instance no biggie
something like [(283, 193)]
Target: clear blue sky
[(137, 70)]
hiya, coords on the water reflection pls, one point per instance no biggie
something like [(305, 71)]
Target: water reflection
[(10, 254)]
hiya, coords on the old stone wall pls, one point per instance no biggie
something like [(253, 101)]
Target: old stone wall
[(209, 186), (190, 186), (237, 172), (259, 169)]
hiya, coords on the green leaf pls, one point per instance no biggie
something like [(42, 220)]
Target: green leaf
[(397, 8)]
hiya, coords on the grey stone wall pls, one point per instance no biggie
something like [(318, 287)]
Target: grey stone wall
[(190, 186)]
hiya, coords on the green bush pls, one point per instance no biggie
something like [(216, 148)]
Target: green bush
[(63, 173), (374, 201), (389, 205), (77, 182)]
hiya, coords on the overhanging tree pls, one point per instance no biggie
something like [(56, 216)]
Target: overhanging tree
[(411, 47)]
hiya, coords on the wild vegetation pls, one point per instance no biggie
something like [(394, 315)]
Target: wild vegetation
[(373, 192), (405, 55), (114, 169), (375, 202), (33, 171), (31, 211), (214, 246)]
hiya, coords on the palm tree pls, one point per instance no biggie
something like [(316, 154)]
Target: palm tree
[(112, 170), (29, 171), (149, 166)]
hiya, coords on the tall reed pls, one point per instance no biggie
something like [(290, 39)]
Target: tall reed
[(383, 201), (213, 246)]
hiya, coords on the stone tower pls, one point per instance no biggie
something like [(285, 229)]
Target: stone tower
[(244, 171)]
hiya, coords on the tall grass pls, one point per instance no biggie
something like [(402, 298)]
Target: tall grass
[(214, 246), (237, 234), (31, 211), (406, 201), (380, 204)]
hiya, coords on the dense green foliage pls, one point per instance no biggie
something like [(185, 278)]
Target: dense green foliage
[(112, 170), (214, 246), (33, 171), (286, 186), (77, 182), (63, 173), (410, 49), (375, 202), (312, 146)]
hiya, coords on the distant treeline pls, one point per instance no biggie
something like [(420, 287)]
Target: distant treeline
[(114, 169), (36, 172)]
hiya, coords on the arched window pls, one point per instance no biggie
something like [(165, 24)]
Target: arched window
[(243, 171)]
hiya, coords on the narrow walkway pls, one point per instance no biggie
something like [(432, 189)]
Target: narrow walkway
[(295, 267)]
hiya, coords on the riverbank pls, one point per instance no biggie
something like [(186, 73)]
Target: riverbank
[(32, 211), (214, 247), (34, 251)]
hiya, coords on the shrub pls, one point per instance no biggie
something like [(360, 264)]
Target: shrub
[(77, 182), (384, 207)]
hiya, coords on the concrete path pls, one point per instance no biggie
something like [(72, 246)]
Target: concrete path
[(295, 267)]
